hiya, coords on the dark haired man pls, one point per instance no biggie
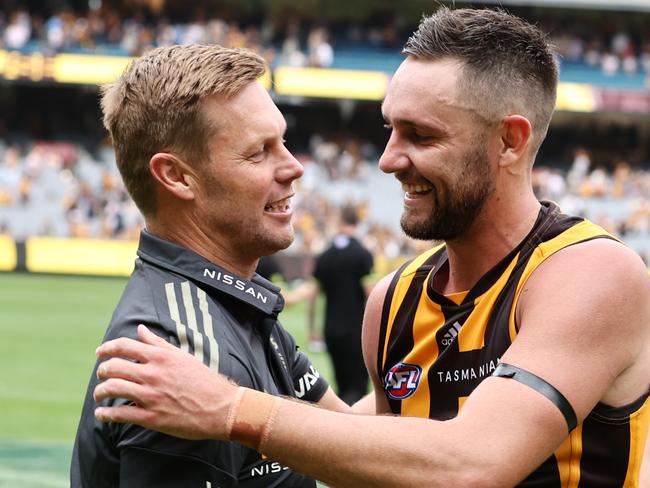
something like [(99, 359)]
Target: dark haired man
[(516, 352)]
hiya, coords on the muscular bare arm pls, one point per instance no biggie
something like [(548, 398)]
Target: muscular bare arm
[(331, 401), (568, 316), (370, 339)]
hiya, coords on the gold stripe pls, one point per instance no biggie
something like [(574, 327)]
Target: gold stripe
[(472, 338), (401, 289), (181, 331), (428, 320), (512, 323), (191, 319), (458, 296), (461, 402), (579, 232), (639, 424), (209, 332), (568, 458), (420, 260)]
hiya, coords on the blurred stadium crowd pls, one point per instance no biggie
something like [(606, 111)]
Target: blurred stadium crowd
[(594, 40), (58, 174), (58, 188)]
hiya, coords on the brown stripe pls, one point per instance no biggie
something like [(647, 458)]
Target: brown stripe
[(385, 314), (400, 341), (605, 452), (546, 476)]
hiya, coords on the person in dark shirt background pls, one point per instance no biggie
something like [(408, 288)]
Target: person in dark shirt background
[(269, 268), (340, 271)]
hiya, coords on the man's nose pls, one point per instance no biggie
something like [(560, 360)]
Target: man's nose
[(290, 169), (393, 158)]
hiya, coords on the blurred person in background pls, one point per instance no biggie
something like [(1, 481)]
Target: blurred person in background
[(200, 147), (269, 268), (515, 352), (339, 272)]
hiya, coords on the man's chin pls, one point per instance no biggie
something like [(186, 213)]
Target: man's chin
[(417, 229), (274, 243)]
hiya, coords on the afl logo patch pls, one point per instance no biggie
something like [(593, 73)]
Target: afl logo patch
[(402, 380)]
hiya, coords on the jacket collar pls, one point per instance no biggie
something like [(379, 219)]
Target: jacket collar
[(258, 292)]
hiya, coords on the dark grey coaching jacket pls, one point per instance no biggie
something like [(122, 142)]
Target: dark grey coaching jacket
[(230, 324)]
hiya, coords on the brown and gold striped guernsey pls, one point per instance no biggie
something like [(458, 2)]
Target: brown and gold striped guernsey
[(434, 350)]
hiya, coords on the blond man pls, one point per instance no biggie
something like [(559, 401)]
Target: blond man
[(200, 147)]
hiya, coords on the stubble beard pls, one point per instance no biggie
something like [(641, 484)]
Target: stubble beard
[(266, 243), (256, 240), (452, 218), (250, 237)]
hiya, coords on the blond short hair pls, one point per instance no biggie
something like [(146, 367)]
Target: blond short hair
[(155, 106)]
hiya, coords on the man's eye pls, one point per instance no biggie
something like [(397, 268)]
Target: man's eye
[(422, 137), (258, 156)]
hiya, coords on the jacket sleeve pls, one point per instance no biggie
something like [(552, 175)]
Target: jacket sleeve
[(308, 384)]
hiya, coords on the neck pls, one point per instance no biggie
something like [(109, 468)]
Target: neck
[(348, 230), (194, 238), (498, 229)]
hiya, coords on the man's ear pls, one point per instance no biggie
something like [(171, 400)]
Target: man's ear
[(516, 133), (173, 174)]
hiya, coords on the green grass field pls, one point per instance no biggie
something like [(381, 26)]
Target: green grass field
[(49, 328)]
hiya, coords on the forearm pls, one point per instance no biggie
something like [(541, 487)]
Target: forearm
[(479, 448), (504, 431), (331, 401), (365, 406), (357, 450)]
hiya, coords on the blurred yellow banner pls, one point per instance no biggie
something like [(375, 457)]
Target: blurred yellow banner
[(7, 253), (575, 97), (83, 69), (331, 83), (80, 256), (91, 69), (87, 69)]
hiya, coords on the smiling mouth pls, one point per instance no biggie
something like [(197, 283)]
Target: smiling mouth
[(419, 189), (278, 206)]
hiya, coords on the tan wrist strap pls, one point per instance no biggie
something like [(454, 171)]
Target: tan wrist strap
[(251, 417)]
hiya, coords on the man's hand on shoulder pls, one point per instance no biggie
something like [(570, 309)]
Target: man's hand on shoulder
[(163, 384)]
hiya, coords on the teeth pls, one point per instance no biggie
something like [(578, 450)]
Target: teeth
[(279, 206), (408, 188)]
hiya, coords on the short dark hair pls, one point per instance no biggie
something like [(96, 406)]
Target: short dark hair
[(349, 215), (508, 65)]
